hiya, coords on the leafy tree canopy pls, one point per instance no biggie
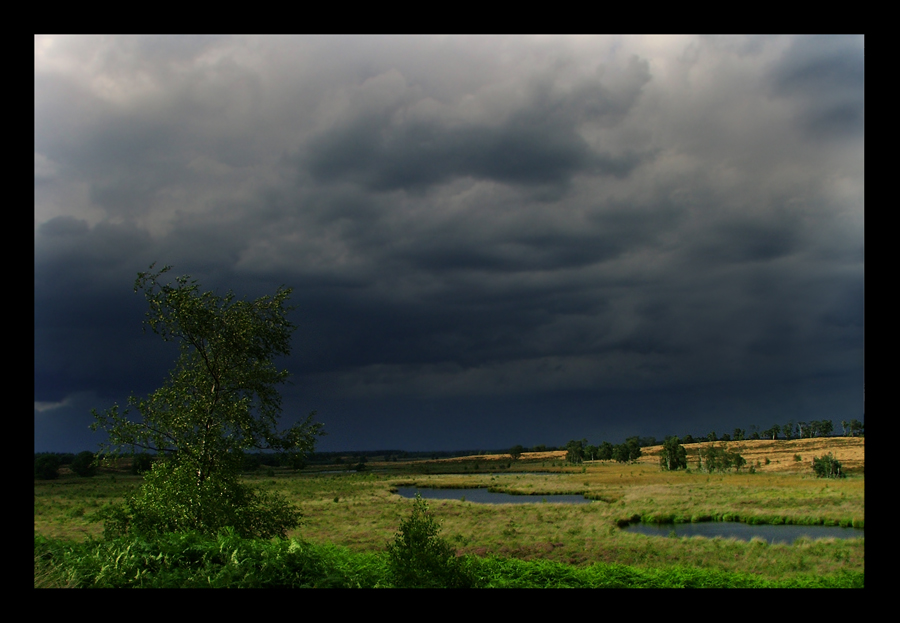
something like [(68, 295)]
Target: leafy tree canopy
[(220, 399), (673, 456)]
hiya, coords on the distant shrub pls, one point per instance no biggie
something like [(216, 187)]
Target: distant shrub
[(46, 467), (827, 467), (250, 462), (141, 463), (84, 464)]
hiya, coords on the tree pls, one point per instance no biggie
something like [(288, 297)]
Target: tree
[(788, 430), (220, 399), (516, 451), (420, 558), (46, 466), (673, 456), (627, 452), (84, 464), (605, 451), (813, 428), (718, 458), (141, 462), (575, 451)]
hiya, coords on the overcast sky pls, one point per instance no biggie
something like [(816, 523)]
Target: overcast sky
[(491, 240)]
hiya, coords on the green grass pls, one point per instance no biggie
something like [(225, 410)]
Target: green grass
[(358, 514), (228, 561)]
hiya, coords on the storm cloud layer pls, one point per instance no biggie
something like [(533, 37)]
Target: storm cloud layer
[(490, 240)]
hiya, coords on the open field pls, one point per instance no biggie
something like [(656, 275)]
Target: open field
[(359, 511), (766, 455)]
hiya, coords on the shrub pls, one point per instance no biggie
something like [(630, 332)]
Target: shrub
[(46, 467), (827, 467), (165, 503), (419, 558), (84, 464), (141, 463)]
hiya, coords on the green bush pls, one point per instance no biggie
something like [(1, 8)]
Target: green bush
[(84, 464), (827, 467), (419, 558), (141, 463), (167, 502), (46, 467)]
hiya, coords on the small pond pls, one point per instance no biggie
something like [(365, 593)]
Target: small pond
[(745, 532), (483, 496)]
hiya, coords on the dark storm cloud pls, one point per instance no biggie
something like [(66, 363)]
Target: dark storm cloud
[(387, 145), (562, 236), (826, 75)]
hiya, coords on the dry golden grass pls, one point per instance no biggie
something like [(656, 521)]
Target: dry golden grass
[(850, 451), (555, 455)]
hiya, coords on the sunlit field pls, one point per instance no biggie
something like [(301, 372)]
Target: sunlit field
[(361, 511)]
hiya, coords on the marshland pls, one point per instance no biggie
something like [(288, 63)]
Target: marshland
[(350, 517)]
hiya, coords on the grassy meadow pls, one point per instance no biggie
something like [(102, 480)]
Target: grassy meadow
[(358, 513)]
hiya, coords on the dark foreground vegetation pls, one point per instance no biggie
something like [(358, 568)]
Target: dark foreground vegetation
[(191, 560)]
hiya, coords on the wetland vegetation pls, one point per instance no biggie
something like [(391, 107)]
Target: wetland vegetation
[(350, 518)]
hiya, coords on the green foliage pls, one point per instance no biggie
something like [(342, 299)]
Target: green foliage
[(719, 459), (605, 451), (170, 501), (141, 462), (85, 464), (46, 466), (856, 428), (673, 456), (225, 560), (516, 451), (827, 467), (195, 560), (419, 558), (575, 451), (628, 451), (219, 401)]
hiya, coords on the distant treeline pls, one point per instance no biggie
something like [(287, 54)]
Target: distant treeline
[(47, 463)]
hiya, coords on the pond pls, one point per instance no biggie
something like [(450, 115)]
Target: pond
[(483, 496), (745, 532)]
